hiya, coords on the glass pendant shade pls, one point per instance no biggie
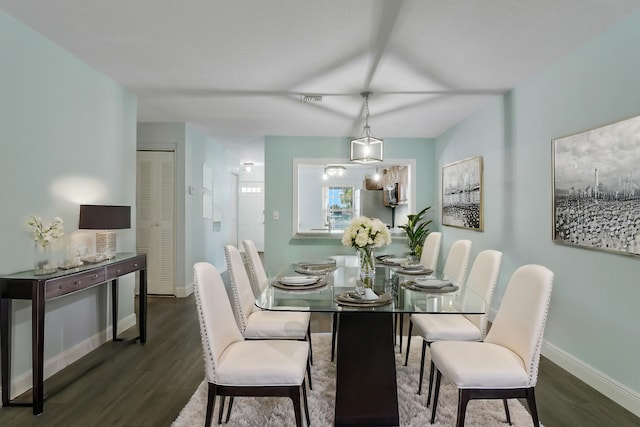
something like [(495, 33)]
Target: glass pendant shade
[(366, 149)]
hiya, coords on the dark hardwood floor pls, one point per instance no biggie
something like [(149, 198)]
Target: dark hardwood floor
[(128, 384)]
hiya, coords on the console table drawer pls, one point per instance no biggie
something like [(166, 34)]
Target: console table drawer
[(125, 267), (74, 282)]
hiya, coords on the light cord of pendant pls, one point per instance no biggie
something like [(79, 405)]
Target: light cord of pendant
[(367, 130)]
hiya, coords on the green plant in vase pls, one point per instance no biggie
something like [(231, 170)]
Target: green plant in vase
[(416, 229)]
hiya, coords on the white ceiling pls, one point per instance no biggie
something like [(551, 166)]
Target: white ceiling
[(237, 69)]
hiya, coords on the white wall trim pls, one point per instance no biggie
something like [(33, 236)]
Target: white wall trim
[(55, 364), (183, 292), (619, 393)]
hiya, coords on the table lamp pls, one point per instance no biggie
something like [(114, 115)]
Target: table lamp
[(105, 218)]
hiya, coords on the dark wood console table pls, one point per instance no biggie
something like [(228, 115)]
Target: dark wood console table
[(40, 289)]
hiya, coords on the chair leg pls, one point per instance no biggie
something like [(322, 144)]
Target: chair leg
[(424, 351), (211, 399), (435, 397), (334, 333), (506, 411), (229, 409), (531, 401), (406, 357), (464, 395), (401, 327), (309, 373), (309, 339), (294, 394), (221, 409), (431, 368), (395, 327), (306, 404)]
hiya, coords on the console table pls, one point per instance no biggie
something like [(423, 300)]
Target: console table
[(40, 289)]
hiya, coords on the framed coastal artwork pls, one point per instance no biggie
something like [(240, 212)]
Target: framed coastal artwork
[(596, 192), (462, 194)]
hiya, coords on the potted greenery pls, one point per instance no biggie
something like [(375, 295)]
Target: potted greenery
[(416, 229)]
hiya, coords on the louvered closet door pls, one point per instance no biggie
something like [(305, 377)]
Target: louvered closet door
[(155, 222)]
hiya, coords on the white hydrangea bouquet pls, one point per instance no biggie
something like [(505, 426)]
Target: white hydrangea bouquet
[(364, 234)]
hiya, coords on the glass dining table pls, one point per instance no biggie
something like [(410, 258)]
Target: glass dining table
[(366, 387)]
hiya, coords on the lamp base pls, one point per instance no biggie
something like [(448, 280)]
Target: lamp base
[(106, 243)]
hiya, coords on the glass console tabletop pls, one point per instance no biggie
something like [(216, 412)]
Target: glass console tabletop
[(405, 297)]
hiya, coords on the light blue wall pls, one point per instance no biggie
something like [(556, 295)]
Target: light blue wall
[(280, 248), (67, 136), (206, 239), (594, 317), (197, 239)]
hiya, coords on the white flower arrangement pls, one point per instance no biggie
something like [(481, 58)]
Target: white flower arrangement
[(42, 234), (366, 232)]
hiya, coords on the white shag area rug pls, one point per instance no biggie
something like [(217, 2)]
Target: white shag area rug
[(278, 412)]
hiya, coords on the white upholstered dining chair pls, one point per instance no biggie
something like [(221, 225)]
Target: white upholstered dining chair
[(431, 250), (482, 281), (255, 323), (455, 269), (257, 275), (238, 367), (505, 364)]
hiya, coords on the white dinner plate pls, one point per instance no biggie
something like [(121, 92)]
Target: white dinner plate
[(298, 280)]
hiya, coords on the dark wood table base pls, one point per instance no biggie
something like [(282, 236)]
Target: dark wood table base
[(366, 387)]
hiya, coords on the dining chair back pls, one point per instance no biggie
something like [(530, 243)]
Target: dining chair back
[(431, 250), (235, 367), (482, 281), (243, 298), (505, 365), (257, 274), (255, 323), (455, 267)]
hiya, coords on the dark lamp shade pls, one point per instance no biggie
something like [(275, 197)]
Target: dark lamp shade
[(104, 217)]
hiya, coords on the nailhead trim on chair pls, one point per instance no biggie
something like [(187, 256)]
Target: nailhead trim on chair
[(209, 368), (241, 318)]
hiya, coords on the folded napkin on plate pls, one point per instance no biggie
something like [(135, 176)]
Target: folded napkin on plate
[(369, 294), (432, 283)]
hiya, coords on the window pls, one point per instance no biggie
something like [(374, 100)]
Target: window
[(250, 189), (337, 206)]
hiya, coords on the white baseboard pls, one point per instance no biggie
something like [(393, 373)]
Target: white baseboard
[(619, 393), (23, 382), (185, 291)]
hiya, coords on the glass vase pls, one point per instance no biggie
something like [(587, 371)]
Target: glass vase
[(44, 261), (367, 266)]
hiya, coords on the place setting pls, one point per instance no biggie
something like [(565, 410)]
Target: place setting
[(298, 283), (363, 297), (315, 267), (413, 269), (430, 285), (391, 260)]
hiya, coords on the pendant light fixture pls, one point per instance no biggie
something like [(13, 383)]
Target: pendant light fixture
[(367, 148)]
